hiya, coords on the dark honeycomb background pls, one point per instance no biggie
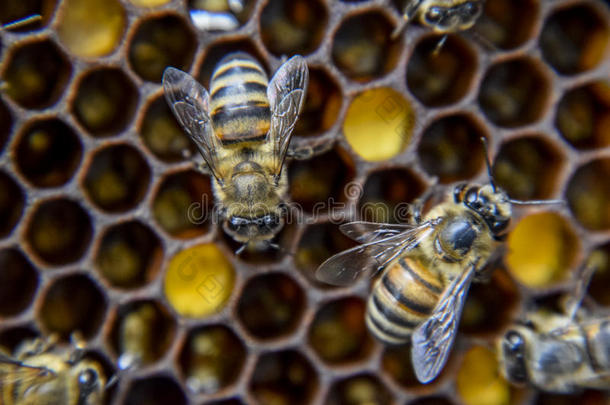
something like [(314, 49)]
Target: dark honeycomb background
[(103, 220)]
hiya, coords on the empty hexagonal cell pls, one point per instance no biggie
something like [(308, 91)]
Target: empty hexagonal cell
[(199, 281), (322, 104), (514, 93), (160, 42), (6, 124), (362, 47), (117, 178), (271, 305), (183, 204), (59, 231), (359, 389), (583, 116), (338, 333), (214, 53), (433, 400), (12, 337), (211, 359), (507, 24), (91, 28), (588, 194), (574, 39), (73, 303), (129, 255), (141, 333), (316, 184), (582, 398), (598, 287), (162, 133), (527, 168), (293, 27), (443, 77), (285, 376), (542, 249), (11, 204), (21, 10), (478, 378), (379, 124), (18, 282), (105, 101), (318, 243), (36, 74), (155, 390), (224, 15), (230, 401), (48, 153), (386, 195), (451, 148)]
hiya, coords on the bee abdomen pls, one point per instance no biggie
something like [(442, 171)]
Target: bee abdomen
[(402, 298), (238, 97)]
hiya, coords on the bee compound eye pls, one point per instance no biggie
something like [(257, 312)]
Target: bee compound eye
[(433, 15), (514, 342), (471, 9), (87, 378)]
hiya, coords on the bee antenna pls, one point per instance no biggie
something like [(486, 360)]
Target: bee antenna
[(488, 163), (536, 202), (241, 249), (22, 21)]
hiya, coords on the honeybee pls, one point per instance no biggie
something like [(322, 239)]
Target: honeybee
[(217, 15), (243, 129), (40, 373), (556, 352), (426, 267)]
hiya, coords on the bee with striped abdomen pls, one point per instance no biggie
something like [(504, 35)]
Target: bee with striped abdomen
[(243, 129), (40, 373), (426, 269), (561, 353)]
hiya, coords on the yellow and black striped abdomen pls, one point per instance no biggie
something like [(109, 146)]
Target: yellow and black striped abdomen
[(238, 99), (402, 298)]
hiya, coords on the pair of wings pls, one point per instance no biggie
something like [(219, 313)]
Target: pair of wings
[(381, 244), (190, 103)]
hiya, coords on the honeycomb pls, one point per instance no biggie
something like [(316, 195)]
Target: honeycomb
[(105, 225)]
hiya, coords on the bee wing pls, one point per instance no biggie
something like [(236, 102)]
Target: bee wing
[(347, 267), (286, 94), (12, 371), (189, 102), (432, 340), (366, 232)]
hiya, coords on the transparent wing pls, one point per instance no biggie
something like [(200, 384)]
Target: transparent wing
[(347, 267), (12, 371), (433, 339), (367, 232), (286, 93), (189, 102)]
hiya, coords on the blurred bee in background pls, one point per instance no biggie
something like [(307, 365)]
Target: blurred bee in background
[(559, 352), (443, 16), (42, 373), (427, 268), (243, 129), (216, 15)]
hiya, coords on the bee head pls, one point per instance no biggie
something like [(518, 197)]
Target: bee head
[(459, 17), (254, 229), (513, 356), (489, 202), (90, 380)]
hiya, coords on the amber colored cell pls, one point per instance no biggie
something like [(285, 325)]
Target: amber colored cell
[(451, 148), (36, 74), (443, 77), (149, 3), (600, 283), (514, 93), (219, 50), (291, 27), (117, 178), (17, 10), (396, 362), (527, 168), (359, 389), (48, 153), (183, 204), (160, 42), (59, 231), (271, 305), (338, 333), (163, 135), (6, 124), (91, 28), (362, 46), (507, 24), (105, 101), (211, 359), (379, 124), (386, 196), (322, 104), (478, 381), (11, 204), (199, 281), (588, 194), (155, 390), (73, 304), (574, 39), (129, 255), (542, 249), (18, 282), (583, 116), (284, 376)]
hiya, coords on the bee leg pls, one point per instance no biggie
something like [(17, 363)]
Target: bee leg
[(583, 278), (420, 202), (439, 45), (78, 347), (408, 13), (304, 152)]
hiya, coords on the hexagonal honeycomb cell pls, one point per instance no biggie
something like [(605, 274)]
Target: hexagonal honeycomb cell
[(588, 194), (11, 204), (359, 389), (15, 10), (6, 123), (18, 282), (155, 390)]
